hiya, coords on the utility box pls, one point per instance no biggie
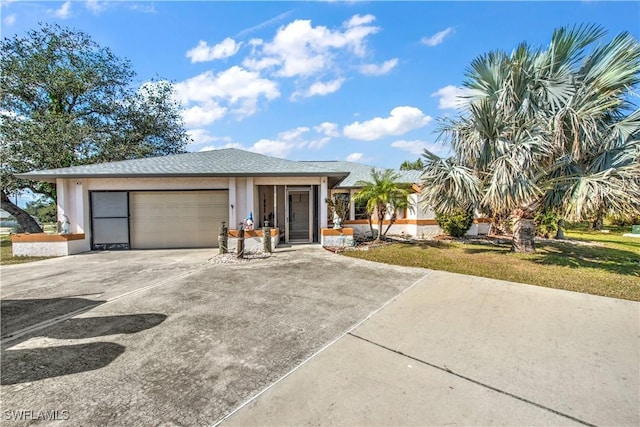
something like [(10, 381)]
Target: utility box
[(635, 229)]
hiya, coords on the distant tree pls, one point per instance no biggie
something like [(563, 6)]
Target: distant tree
[(550, 128), (67, 101), (383, 194), (42, 208), (407, 165)]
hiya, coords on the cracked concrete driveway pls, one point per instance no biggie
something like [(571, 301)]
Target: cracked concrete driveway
[(168, 337)]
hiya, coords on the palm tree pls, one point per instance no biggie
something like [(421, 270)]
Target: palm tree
[(550, 128), (383, 194)]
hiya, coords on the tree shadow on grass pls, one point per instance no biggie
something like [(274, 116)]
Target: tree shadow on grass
[(572, 255)]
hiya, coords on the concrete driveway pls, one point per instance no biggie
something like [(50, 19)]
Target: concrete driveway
[(169, 337), (307, 337), (462, 350)]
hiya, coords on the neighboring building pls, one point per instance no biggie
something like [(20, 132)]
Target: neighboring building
[(179, 201)]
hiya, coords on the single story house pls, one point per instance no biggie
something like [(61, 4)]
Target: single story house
[(180, 201)]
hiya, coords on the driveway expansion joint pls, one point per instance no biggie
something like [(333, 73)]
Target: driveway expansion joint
[(444, 368)]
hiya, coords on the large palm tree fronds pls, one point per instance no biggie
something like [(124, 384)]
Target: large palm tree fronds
[(448, 185)]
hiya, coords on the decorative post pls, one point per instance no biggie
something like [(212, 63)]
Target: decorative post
[(266, 240), (223, 239), (240, 250)]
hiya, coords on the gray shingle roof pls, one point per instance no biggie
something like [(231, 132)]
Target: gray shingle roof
[(360, 172), (224, 162)]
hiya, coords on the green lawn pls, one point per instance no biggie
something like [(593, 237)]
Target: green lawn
[(594, 262)]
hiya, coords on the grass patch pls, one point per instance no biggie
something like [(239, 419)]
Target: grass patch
[(594, 263), (6, 254)]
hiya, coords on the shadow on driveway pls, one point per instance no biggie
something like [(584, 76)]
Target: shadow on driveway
[(18, 314), (32, 364)]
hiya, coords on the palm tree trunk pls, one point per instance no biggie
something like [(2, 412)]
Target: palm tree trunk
[(560, 232), (524, 233), (370, 225), (26, 222), (379, 229)]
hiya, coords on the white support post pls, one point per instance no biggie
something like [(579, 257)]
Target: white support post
[(275, 206), (323, 203), (79, 208), (352, 206), (251, 200), (61, 199), (233, 204)]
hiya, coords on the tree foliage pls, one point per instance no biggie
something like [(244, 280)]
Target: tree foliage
[(407, 165), (384, 195), (551, 127), (67, 101)]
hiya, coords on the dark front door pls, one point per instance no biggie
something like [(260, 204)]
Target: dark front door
[(299, 218)]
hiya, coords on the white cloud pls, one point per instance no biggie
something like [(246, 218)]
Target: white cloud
[(317, 144), (357, 20), (378, 70), (354, 157), (64, 11), (437, 38), (300, 49), (202, 115), (293, 134), (203, 52), (452, 97), (143, 8), (96, 6), (328, 129), (237, 87), (220, 147), (272, 147), (400, 121), (9, 19), (264, 24), (320, 89)]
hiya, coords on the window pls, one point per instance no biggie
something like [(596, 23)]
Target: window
[(360, 209)]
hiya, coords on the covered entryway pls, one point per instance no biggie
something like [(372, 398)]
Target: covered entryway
[(176, 219)]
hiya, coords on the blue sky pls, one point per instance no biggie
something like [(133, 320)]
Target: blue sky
[(360, 81)]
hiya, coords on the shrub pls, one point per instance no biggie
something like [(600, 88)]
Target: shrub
[(457, 223), (546, 222)]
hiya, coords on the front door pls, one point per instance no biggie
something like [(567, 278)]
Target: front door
[(299, 216)]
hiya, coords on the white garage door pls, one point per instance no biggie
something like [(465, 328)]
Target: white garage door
[(177, 219)]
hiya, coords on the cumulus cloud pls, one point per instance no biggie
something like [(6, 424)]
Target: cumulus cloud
[(328, 129), (95, 6), (272, 147), (451, 97), (238, 88), (203, 52), (9, 19), (220, 147), (400, 121), (64, 11), (354, 157), (319, 89), (202, 115), (437, 38), (301, 49), (293, 134), (378, 70)]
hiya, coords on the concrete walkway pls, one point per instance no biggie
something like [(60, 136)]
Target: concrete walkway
[(462, 350)]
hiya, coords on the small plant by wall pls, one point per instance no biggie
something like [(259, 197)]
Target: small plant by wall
[(457, 223)]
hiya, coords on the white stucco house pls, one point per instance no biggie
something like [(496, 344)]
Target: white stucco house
[(179, 201)]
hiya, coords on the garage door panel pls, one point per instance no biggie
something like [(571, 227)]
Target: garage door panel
[(177, 219)]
